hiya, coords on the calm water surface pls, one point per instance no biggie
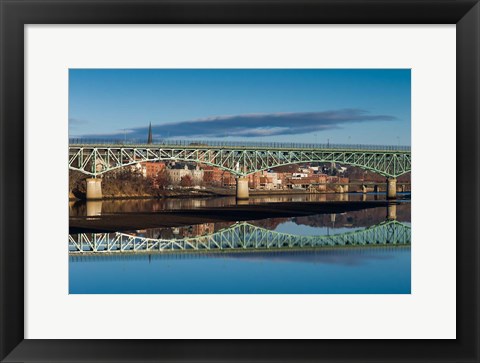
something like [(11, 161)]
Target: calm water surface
[(323, 270)]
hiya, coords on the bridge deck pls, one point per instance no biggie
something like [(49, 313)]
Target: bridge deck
[(240, 145)]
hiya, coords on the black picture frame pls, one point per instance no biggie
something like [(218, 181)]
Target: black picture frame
[(15, 14)]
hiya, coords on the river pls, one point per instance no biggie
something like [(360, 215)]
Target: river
[(364, 251)]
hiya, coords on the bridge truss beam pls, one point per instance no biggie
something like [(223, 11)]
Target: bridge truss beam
[(240, 236), (96, 160)]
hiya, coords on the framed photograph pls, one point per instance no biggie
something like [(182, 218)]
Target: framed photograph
[(239, 181), (232, 197)]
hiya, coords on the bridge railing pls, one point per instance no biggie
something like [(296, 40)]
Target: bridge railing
[(236, 144)]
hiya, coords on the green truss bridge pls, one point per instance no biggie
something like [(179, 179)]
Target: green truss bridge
[(96, 157), (241, 236)]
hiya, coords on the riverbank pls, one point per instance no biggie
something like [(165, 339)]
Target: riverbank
[(183, 193), (204, 193), (185, 217)]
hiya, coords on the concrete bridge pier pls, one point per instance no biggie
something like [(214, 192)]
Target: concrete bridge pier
[(242, 188), (392, 212), (345, 188), (364, 189), (392, 188), (94, 208), (94, 188), (333, 217)]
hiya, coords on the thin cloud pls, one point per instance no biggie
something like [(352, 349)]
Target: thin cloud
[(75, 122), (258, 125)]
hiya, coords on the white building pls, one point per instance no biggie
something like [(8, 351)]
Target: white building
[(178, 172), (299, 175)]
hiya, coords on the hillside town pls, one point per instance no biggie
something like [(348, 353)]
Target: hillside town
[(309, 177), (176, 178)]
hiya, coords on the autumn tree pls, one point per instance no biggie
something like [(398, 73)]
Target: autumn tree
[(289, 168), (76, 181), (162, 180)]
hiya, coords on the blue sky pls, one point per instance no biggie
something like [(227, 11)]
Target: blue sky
[(358, 106)]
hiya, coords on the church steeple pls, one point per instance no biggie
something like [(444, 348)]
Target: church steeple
[(150, 136)]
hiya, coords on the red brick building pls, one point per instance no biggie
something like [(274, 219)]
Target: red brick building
[(153, 168), (212, 175)]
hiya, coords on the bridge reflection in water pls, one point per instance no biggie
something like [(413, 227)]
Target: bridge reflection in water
[(241, 236)]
